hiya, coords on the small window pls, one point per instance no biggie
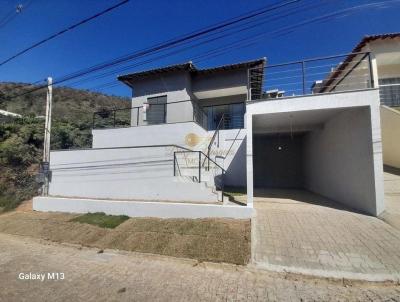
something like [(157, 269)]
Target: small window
[(156, 112), (389, 90)]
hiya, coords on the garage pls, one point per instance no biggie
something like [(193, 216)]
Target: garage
[(324, 147)]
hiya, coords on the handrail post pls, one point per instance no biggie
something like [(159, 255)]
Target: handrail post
[(199, 166), (137, 117), (114, 117), (304, 76), (174, 163)]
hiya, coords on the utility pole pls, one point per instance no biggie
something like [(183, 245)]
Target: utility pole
[(46, 143)]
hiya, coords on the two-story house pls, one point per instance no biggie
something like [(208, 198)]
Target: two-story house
[(194, 132)]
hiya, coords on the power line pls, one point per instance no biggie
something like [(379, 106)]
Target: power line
[(53, 36), (269, 19), (150, 51), (166, 45)]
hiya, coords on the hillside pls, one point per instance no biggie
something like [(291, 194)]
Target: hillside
[(21, 139), (68, 104)]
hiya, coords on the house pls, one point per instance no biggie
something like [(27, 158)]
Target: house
[(195, 132), (385, 49)]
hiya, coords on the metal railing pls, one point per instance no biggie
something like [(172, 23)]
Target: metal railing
[(194, 168), (215, 136), (148, 114), (338, 73)]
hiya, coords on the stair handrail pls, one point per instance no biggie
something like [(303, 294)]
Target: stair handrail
[(176, 162), (216, 132)]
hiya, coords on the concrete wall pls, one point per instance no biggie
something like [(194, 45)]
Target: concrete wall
[(352, 129), (223, 83), (233, 152), (390, 124), (177, 87), (127, 173), (339, 160), (140, 209), (177, 134), (189, 135)]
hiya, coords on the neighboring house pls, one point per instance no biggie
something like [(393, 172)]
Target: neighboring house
[(385, 52), (194, 132), (385, 49)]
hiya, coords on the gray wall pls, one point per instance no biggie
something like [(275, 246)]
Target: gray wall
[(177, 87), (339, 160), (221, 80), (276, 168)]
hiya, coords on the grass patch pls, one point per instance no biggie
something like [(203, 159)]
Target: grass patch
[(235, 191), (101, 220)]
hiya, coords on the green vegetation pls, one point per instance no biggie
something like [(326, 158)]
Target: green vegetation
[(21, 139), (101, 219)]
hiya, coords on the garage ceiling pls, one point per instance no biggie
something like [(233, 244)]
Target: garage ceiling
[(298, 121)]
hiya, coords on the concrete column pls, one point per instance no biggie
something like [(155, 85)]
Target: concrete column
[(249, 158)]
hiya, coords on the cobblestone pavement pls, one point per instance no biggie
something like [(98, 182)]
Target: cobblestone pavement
[(301, 232), (392, 199), (125, 276)]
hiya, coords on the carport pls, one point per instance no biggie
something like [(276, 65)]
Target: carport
[(327, 144)]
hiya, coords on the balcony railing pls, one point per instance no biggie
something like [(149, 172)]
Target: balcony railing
[(339, 73), (150, 114)]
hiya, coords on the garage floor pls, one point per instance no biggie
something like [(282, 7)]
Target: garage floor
[(302, 232)]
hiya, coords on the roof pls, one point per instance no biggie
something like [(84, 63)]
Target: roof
[(357, 49), (371, 38), (191, 68)]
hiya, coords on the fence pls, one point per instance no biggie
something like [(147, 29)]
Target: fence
[(151, 114), (314, 76)]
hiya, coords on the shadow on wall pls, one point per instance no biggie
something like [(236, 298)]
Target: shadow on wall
[(236, 172)]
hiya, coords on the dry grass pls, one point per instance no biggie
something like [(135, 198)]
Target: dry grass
[(216, 240)]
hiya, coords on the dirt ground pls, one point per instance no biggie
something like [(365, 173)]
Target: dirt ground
[(215, 240), (86, 275)]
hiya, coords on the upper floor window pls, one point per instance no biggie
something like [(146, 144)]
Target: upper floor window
[(156, 112), (389, 90), (233, 116)]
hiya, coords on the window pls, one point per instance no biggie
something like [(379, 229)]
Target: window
[(233, 113), (389, 90), (156, 111)]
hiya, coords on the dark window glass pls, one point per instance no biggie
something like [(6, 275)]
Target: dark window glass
[(156, 112), (389, 90)]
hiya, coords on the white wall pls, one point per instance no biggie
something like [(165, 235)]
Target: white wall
[(147, 135), (390, 123), (140, 209), (339, 160), (367, 136), (127, 173)]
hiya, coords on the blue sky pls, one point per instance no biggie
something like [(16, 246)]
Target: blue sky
[(140, 24)]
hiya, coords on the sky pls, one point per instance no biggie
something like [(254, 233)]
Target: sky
[(140, 24)]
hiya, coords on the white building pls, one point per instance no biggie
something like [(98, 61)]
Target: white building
[(385, 49), (194, 132)]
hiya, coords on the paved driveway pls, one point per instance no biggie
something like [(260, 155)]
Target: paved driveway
[(116, 276), (392, 198), (302, 232)]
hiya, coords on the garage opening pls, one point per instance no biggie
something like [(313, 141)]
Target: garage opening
[(324, 151), (278, 162)]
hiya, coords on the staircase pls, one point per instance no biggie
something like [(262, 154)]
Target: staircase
[(196, 166)]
